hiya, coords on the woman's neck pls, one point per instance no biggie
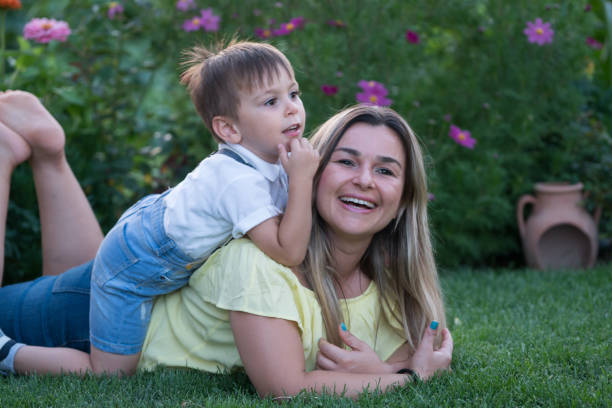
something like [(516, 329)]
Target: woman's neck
[(347, 257)]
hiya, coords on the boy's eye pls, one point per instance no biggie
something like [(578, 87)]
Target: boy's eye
[(270, 102)]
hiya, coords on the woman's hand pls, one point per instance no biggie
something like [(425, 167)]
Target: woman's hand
[(426, 360), (360, 359)]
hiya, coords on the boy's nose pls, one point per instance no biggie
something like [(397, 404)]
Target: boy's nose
[(292, 107)]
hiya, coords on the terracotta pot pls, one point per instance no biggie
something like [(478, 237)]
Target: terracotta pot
[(559, 232)]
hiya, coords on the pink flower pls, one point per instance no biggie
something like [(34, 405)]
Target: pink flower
[(539, 32), (298, 22), (431, 196), (336, 23), (329, 89), (587, 7), (288, 28), (591, 42), (285, 29), (208, 21), (193, 24), (114, 8), (463, 137), (374, 93), (43, 30), (185, 5), (263, 33), (412, 37)]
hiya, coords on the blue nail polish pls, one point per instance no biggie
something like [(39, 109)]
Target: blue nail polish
[(342, 326), (433, 325)]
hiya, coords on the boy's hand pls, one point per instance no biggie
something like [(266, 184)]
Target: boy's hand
[(304, 159)]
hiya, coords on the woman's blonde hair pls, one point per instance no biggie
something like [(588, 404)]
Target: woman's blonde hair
[(400, 258)]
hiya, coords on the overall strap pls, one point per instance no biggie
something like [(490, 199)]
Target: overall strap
[(235, 156)]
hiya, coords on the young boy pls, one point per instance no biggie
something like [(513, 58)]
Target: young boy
[(248, 98)]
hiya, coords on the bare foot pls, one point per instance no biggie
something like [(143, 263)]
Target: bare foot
[(23, 113), (13, 148)]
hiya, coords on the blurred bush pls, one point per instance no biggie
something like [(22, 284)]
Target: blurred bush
[(538, 113)]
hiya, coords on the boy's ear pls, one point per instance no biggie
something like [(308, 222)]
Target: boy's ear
[(226, 129)]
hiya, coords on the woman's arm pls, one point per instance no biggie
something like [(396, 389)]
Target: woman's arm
[(273, 356)]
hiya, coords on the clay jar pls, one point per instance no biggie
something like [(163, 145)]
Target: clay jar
[(559, 233)]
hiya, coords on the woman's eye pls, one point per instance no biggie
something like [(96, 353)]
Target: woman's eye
[(385, 171), (345, 162), (295, 94), (270, 102)]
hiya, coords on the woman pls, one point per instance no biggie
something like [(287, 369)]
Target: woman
[(369, 267)]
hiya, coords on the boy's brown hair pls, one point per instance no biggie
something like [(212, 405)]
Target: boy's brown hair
[(215, 77)]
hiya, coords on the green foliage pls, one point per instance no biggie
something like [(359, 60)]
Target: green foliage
[(525, 347), (538, 113)]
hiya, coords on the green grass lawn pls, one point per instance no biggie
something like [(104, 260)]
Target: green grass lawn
[(522, 338)]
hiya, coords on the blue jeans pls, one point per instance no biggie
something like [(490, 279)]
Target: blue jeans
[(136, 262), (52, 311)]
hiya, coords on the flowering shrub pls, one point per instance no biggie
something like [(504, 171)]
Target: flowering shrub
[(538, 113)]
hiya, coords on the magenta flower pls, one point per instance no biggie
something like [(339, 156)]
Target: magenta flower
[(298, 22), (431, 196), (447, 117), (539, 32), (43, 30), (263, 33), (591, 42), (336, 23), (412, 37), (185, 5), (587, 7), (329, 89), (463, 137), (208, 21), (114, 8), (374, 93), (285, 29)]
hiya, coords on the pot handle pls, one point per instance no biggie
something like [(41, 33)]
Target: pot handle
[(597, 213), (520, 206)]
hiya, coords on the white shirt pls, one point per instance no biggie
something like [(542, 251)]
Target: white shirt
[(223, 199)]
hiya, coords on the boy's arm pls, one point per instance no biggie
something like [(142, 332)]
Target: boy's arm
[(285, 238)]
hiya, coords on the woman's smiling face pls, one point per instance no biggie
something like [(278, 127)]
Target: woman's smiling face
[(361, 187)]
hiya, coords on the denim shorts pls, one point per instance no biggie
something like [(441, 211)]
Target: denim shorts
[(52, 311), (136, 262)]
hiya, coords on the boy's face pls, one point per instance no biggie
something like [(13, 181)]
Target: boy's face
[(269, 115)]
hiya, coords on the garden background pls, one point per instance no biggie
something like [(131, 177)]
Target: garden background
[(494, 111)]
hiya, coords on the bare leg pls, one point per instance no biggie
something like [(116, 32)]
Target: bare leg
[(71, 234), (44, 360), (13, 151)]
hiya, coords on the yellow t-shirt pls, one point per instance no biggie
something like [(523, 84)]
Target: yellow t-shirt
[(191, 327)]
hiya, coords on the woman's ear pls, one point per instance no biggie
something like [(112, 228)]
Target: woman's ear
[(226, 129)]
